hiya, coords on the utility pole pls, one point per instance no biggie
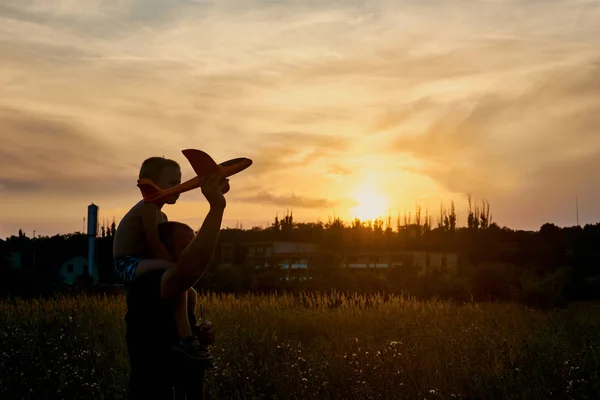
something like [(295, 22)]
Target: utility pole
[(34, 252), (577, 209)]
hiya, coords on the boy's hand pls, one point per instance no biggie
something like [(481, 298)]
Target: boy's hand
[(213, 187), (205, 332)]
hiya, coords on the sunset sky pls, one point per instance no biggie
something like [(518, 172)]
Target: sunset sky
[(352, 108)]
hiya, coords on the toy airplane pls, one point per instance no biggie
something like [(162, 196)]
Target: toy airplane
[(203, 165)]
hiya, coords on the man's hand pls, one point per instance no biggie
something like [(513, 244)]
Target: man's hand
[(226, 186), (213, 187)]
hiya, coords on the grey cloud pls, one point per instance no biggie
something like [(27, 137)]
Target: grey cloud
[(288, 201), (18, 185), (73, 187), (43, 153), (107, 22)]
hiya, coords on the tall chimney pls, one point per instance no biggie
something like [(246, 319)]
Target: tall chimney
[(92, 232)]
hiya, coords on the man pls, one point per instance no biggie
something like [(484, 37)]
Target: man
[(151, 327)]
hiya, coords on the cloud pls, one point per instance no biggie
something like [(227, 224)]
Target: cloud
[(305, 89), (339, 170), (289, 201), (536, 148), (277, 152), (50, 153)]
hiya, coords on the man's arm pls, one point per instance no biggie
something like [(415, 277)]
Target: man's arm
[(194, 259)]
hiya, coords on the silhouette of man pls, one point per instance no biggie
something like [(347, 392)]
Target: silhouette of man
[(155, 369)]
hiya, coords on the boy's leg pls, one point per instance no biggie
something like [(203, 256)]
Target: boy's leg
[(184, 317), (192, 299), (148, 264), (181, 316)]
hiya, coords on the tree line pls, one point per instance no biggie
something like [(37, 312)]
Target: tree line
[(550, 265)]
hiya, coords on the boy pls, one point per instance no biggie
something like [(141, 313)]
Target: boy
[(138, 249)]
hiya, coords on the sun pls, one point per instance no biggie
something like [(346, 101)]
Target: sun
[(371, 204)]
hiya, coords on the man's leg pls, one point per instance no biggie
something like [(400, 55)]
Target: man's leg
[(192, 298), (147, 380), (188, 345), (194, 383), (189, 379)]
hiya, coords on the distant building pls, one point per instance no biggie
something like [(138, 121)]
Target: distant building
[(376, 259), (261, 249), (429, 262), (14, 260), (425, 261), (288, 255), (72, 269), (301, 255)]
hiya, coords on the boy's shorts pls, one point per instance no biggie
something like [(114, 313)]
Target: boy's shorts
[(125, 268)]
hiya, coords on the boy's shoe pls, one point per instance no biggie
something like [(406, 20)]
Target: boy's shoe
[(194, 352)]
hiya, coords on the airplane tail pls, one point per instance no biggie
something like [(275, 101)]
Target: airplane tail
[(201, 162), (149, 189)]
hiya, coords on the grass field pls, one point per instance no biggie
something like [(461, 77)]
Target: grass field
[(316, 346)]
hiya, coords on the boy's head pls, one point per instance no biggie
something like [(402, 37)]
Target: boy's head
[(163, 172)]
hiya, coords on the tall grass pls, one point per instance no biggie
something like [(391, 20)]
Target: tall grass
[(315, 346)]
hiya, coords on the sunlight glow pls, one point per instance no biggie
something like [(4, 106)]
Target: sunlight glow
[(372, 203)]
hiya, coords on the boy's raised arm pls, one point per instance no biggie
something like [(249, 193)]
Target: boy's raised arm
[(149, 216)]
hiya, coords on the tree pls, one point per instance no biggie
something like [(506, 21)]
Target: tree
[(442, 218), (427, 224), (113, 228), (418, 221), (452, 218), (473, 217), (484, 216), (276, 226)]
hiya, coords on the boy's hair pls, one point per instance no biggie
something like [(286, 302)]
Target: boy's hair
[(166, 232), (153, 167)]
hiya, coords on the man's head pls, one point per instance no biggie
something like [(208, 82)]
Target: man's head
[(163, 172), (175, 236)]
